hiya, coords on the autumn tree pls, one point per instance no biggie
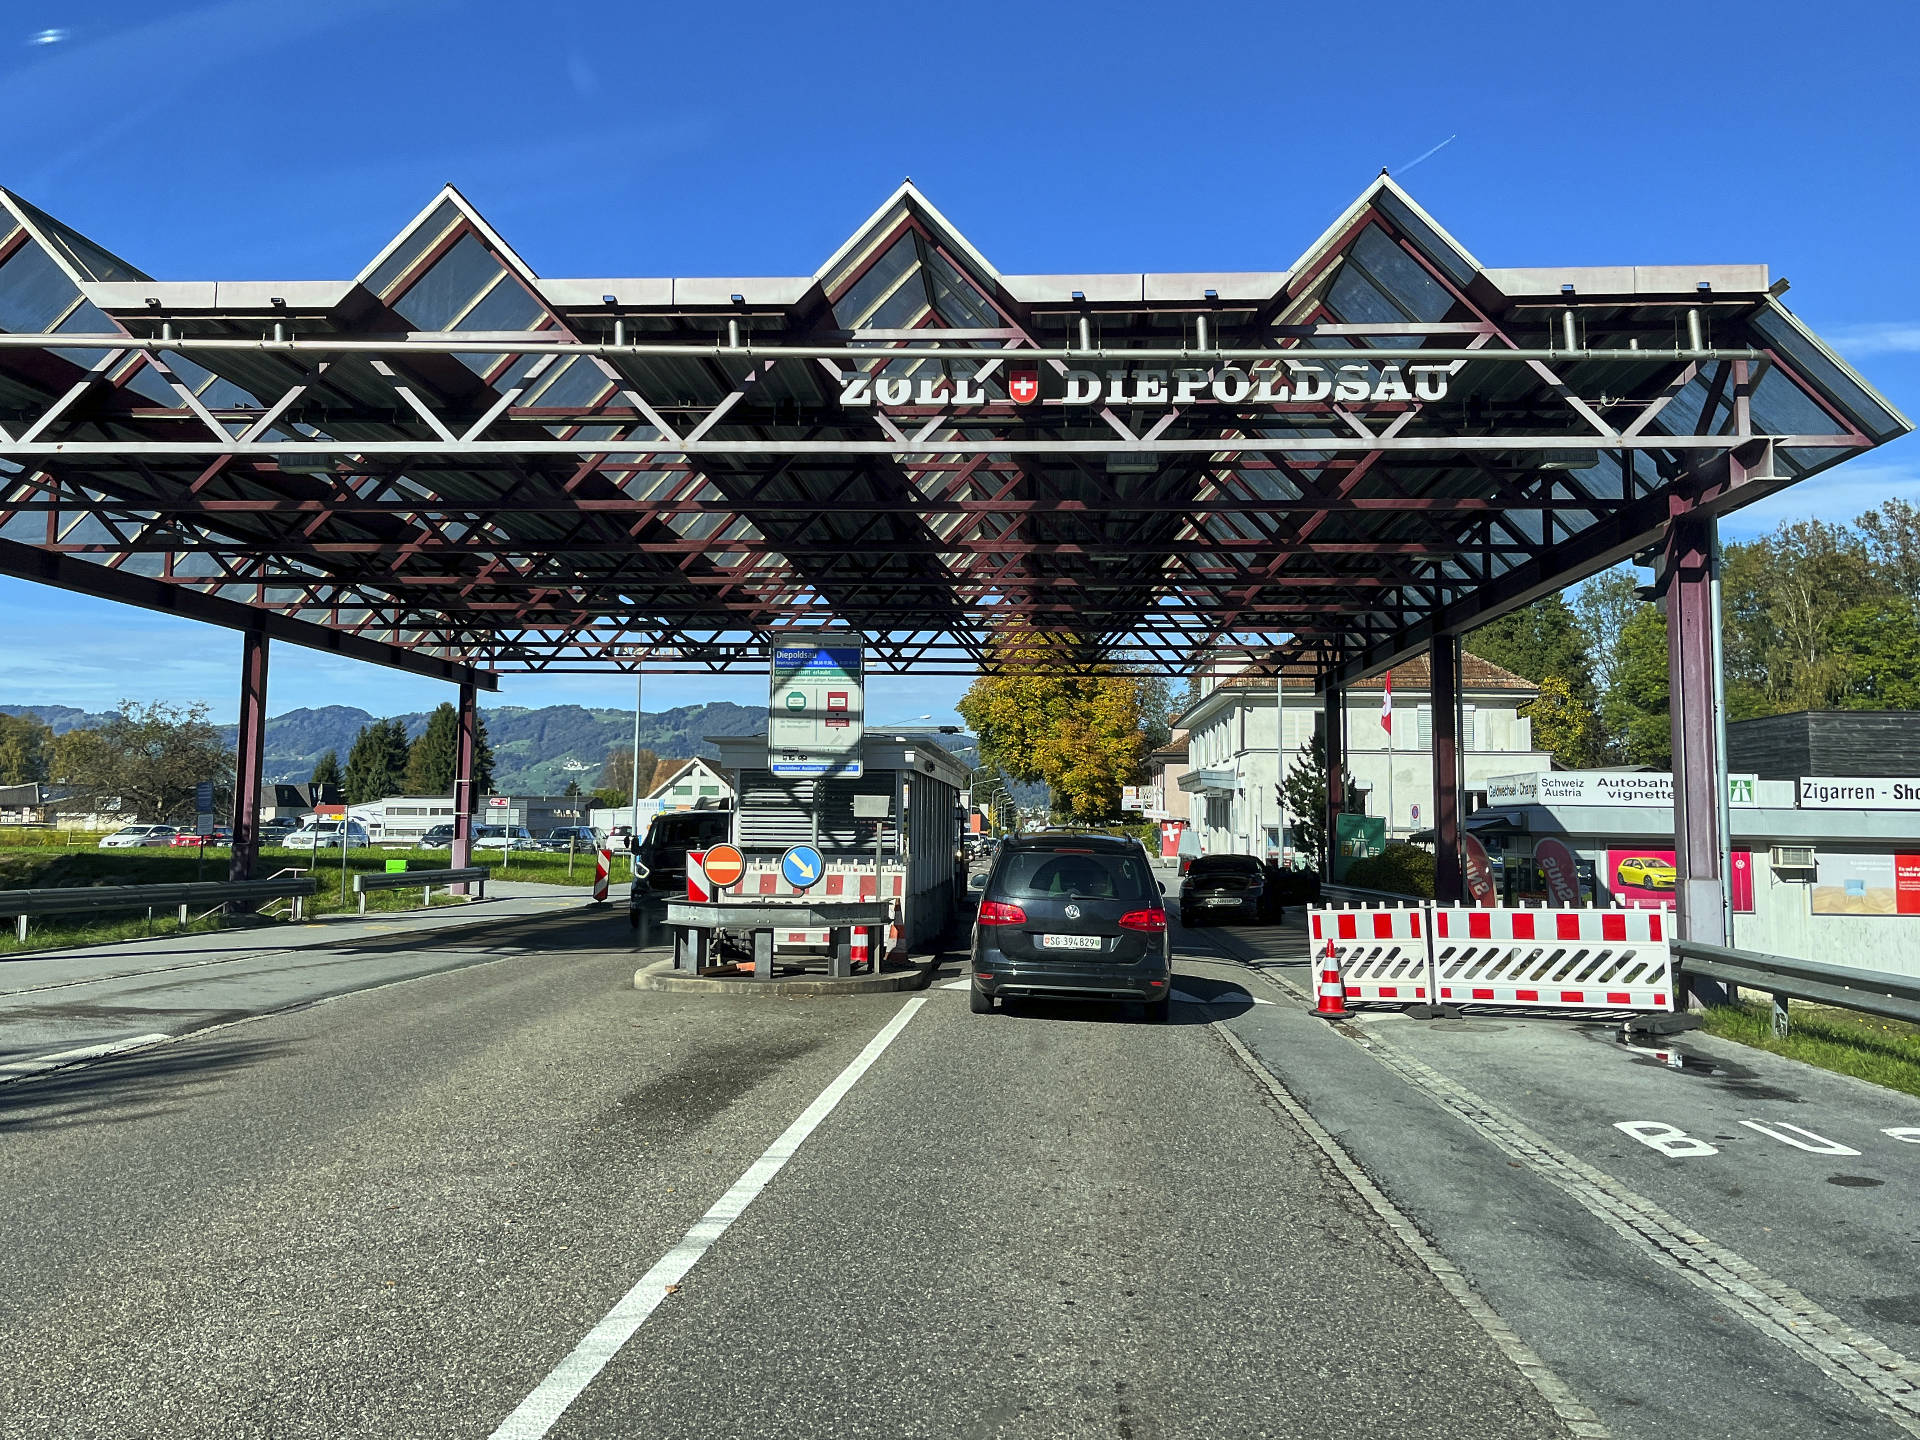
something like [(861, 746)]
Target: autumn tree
[(1042, 714), (26, 749), (1565, 724), (148, 760)]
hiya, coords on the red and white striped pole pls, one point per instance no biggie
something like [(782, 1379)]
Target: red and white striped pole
[(858, 948), (602, 867)]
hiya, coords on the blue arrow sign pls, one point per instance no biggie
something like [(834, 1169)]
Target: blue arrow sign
[(802, 867)]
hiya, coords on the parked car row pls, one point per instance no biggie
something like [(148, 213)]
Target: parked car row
[(326, 835)]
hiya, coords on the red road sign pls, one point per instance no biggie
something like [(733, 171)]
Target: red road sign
[(724, 866)]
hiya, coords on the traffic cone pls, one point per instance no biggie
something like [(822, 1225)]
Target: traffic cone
[(1331, 991)]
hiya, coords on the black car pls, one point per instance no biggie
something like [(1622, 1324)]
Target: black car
[(1072, 915), (579, 839), (1228, 887), (437, 837), (660, 865)]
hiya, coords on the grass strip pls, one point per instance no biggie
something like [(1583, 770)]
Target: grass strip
[(1886, 1052)]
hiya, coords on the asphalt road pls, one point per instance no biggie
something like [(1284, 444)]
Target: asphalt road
[(396, 1213), (406, 1210)]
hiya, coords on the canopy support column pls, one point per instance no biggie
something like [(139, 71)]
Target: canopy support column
[(1445, 704), (1699, 767), (465, 748), (1333, 729), (250, 754)]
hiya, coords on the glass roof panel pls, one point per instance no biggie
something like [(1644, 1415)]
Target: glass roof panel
[(450, 285), (1396, 272), (1777, 325), (91, 260), (883, 275), (34, 291), (414, 246), (959, 303)]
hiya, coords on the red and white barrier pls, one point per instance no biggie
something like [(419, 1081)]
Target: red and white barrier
[(1549, 959), (1382, 953), (699, 888), (602, 868)]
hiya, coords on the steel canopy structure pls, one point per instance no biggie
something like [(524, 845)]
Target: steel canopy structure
[(456, 466), (451, 465)]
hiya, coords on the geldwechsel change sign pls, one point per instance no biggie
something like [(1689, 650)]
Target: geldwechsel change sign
[(816, 707)]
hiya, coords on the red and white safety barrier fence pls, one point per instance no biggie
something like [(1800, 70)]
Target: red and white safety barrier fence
[(1550, 959)]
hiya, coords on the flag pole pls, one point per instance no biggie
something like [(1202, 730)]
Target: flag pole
[(1386, 721)]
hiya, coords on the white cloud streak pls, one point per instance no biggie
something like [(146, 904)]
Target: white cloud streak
[(1884, 337)]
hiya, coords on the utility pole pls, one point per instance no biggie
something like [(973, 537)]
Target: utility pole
[(633, 811)]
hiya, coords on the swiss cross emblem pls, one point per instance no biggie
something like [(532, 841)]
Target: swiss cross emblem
[(1023, 386)]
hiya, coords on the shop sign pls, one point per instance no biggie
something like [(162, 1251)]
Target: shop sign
[(1633, 789), (1294, 382), (1853, 884), (1828, 792)]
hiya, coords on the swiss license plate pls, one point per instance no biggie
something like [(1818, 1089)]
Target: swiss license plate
[(1223, 900), (1071, 942)]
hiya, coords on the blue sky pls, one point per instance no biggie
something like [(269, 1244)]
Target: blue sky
[(291, 140)]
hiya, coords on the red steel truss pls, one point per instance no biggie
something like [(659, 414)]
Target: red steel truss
[(452, 465)]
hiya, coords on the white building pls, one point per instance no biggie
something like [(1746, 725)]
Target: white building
[(1233, 769), (696, 785)]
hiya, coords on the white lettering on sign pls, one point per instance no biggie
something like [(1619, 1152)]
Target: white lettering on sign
[(1299, 383), (1910, 1134), (1813, 1144), (1667, 1139)]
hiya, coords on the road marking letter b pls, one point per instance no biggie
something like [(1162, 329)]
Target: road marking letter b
[(1667, 1139)]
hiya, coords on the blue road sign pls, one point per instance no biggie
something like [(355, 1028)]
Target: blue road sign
[(802, 867)]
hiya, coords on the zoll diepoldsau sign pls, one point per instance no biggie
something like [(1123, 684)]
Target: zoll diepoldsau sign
[(1294, 382)]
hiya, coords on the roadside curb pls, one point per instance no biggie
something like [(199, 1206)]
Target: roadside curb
[(661, 976)]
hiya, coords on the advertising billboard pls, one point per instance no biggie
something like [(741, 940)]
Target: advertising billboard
[(1853, 884), (1642, 875), (1562, 870)]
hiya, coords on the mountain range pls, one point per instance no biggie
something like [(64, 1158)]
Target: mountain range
[(532, 748)]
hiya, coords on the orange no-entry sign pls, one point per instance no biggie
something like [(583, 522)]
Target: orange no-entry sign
[(724, 865)]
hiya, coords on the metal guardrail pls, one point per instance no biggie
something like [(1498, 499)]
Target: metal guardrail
[(88, 899), (425, 879), (1873, 992)]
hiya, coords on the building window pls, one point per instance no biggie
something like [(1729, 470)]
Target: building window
[(709, 789), (1466, 728), (1423, 728)]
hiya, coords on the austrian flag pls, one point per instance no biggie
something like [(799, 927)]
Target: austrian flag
[(1386, 705)]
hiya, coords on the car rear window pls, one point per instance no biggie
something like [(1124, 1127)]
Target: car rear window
[(1091, 874), (1225, 865)]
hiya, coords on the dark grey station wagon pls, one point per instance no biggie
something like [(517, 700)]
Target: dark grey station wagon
[(1072, 915)]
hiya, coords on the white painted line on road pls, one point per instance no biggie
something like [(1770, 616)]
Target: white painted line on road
[(1813, 1144), (956, 985), (536, 1414), (41, 1064)]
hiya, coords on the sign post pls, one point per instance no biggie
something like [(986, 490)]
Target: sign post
[(339, 811), (875, 808), (816, 707)]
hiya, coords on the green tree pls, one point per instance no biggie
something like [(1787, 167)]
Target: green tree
[(1537, 641), (1880, 642), (376, 763), (147, 760), (1781, 595), (326, 770), (1892, 537), (26, 749), (434, 756), (1042, 714), (1602, 606), (1635, 709), (572, 790), (1565, 724), (1306, 791)]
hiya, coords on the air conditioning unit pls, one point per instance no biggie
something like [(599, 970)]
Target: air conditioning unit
[(1793, 857)]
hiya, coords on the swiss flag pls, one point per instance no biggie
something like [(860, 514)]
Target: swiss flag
[(1023, 386), (1386, 705)]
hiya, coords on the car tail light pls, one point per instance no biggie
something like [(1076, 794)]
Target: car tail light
[(998, 912), (1151, 921)]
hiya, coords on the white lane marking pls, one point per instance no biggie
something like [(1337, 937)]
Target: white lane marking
[(536, 1414), (1909, 1133), (41, 1064), (1667, 1139), (1813, 1144), (956, 985)]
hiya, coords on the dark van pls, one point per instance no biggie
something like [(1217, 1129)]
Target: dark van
[(661, 872)]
